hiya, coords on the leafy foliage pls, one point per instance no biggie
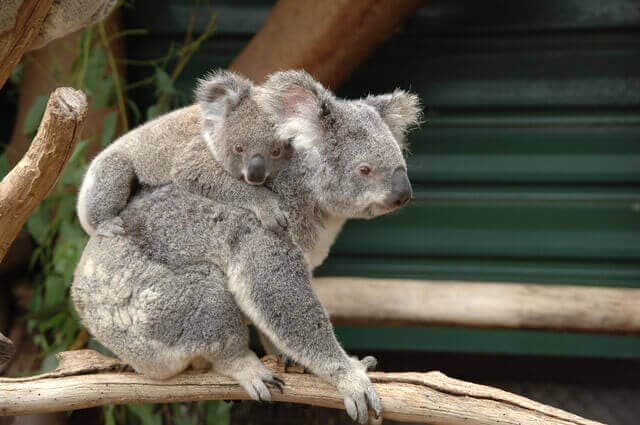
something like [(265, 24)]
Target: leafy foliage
[(54, 226)]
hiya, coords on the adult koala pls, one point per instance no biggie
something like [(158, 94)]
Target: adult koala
[(179, 284)]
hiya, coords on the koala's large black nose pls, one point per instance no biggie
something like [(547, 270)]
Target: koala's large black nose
[(400, 189), (256, 169)]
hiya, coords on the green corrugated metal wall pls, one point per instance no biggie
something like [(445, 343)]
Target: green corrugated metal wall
[(527, 167)]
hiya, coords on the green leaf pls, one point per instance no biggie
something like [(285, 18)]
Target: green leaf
[(55, 291), (164, 83), (16, 74), (34, 116), (153, 111), (135, 110), (38, 223), (144, 412), (4, 166), (50, 362), (109, 417), (108, 128), (74, 170), (219, 412)]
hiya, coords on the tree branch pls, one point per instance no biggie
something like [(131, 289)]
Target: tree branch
[(326, 38), (480, 305), (22, 190), (86, 379), (17, 40)]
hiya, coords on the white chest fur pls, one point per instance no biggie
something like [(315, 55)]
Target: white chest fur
[(325, 239)]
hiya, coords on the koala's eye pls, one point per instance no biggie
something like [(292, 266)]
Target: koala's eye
[(238, 149), (364, 169), (276, 151)]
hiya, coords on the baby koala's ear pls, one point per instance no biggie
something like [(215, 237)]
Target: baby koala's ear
[(297, 105), (220, 92), (400, 110)]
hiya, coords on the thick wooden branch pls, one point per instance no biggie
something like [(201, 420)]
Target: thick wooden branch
[(33, 177), (326, 38), (480, 305), (15, 41), (86, 379)]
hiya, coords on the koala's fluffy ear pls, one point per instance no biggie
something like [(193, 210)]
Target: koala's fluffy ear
[(296, 103), (400, 110), (221, 91)]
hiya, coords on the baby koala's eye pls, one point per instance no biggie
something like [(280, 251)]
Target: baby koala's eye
[(276, 151), (364, 169), (238, 149)]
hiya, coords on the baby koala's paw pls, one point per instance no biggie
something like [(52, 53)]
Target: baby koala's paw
[(272, 217), (111, 228), (359, 395)]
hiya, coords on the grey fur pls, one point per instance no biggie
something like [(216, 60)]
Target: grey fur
[(179, 285), (227, 116)]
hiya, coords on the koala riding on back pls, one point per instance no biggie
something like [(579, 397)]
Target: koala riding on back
[(237, 134)]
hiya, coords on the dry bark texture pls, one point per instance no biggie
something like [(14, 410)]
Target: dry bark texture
[(22, 190), (15, 41), (480, 305), (86, 378)]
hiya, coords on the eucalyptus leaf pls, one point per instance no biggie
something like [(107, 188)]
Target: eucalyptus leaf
[(108, 128), (34, 116), (38, 223), (4, 165), (164, 83), (144, 412)]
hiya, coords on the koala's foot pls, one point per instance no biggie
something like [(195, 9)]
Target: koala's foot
[(110, 228), (252, 375), (357, 390), (272, 217)]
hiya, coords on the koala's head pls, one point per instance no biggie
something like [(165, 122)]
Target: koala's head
[(239, 135), (353, 148)]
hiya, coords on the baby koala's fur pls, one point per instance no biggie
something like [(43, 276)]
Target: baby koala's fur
[(236, 133)]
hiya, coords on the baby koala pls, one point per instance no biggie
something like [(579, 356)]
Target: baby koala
[(243, 154)]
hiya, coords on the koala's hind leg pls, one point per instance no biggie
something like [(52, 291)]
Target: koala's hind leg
[(104, 193), (214, 328)]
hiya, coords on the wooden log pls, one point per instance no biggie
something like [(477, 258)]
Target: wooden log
[(328, 39), (480, 305), (86, 378), (33, 177), (15, 41)]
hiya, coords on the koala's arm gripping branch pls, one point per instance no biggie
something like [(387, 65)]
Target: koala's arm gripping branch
[(270, 281), (33, 177), (87, 379)]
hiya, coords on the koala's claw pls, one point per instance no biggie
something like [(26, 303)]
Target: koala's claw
[(111, 228), (277, 383), (358, 392)]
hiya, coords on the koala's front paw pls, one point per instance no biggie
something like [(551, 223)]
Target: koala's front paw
[(272, 217), (357, 390), (111, 228)]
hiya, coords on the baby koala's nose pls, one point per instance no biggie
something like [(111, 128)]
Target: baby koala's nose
[(256, 170)]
